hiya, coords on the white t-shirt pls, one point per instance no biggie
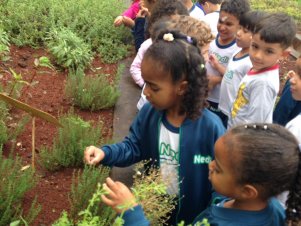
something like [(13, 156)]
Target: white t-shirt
[(223, 54), (196, 13), (212, 19), (236, 70), (255, 99), (294, 126), (169, 155)]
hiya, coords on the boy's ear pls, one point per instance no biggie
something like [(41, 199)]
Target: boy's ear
[(286, 53), (182, 87), (249, 192)]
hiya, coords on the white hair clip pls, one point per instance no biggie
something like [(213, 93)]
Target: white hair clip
[(202, 66), (168, 37)]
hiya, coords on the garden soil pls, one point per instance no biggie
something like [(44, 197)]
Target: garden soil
[(48, 95)]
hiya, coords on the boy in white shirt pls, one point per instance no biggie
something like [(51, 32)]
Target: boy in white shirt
[(223, 47), (239, 63), (258, 90), (211, 9)]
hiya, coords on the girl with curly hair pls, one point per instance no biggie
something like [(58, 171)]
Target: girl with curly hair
[(174, 130)]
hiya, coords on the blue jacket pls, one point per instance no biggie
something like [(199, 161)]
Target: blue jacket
[(272, 215), (197, 140), (287, 108)]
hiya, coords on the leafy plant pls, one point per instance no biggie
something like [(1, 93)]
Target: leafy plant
[(96, 213), (68, 146), (69, 50), (83, 186), (291, 7), (93, 93), (43, 62), (88, 20), (14, 184), (4, 44)]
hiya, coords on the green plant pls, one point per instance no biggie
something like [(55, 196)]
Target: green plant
[(14, 184), (83, 186), (68, 146), (291, 7), (145, 187), (93, 93), (3, 122), (69, 50), (90, 20), (4, 44)]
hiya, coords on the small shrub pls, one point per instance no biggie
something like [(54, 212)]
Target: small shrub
[(291, 7), (26, 21), (93, 93), (69, 50), (14, 184), (68, 147), (4, 44), (149, 190), (84, 184)]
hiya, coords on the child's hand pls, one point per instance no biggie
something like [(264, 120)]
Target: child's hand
[(119, 196), (213, 61), (143, 12), (118, 21), (213, 81), (93, 155)]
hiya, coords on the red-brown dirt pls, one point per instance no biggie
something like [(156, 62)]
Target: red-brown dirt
[(48, 95)]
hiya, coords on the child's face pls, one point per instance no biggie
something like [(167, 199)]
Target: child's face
[(159, 89), (295, 80), (227, 26), (263, 54), (243, 37), (221, 172)]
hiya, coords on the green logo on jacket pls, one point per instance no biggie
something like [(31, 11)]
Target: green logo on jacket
[(199, 159)]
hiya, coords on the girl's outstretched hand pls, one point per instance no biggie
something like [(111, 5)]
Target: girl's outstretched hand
[(93, 155), (119, 196)]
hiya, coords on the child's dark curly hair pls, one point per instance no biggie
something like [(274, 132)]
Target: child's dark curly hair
[(235, 7), (268, 157), (182, 59), (166, 8)]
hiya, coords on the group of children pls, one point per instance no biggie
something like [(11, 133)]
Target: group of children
[(206, 119)]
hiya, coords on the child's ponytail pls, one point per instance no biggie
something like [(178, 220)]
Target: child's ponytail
[(293, 211)]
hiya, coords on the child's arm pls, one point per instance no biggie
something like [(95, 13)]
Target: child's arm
[(215, 80), (216, 64), (121, 199), (123, 20), (261, 102), (135, 68)]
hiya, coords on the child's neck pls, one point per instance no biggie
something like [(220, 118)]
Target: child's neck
[(174, 117), (225, 41), (243, 52), (249, 205)]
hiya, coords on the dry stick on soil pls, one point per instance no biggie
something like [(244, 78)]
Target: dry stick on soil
[(34, 113)]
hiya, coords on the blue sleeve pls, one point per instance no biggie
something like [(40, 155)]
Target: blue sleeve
[(287, 108), (135, 217), (138, 32), (128, 151)]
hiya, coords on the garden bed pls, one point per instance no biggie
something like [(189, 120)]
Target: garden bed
[(48, 95)]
